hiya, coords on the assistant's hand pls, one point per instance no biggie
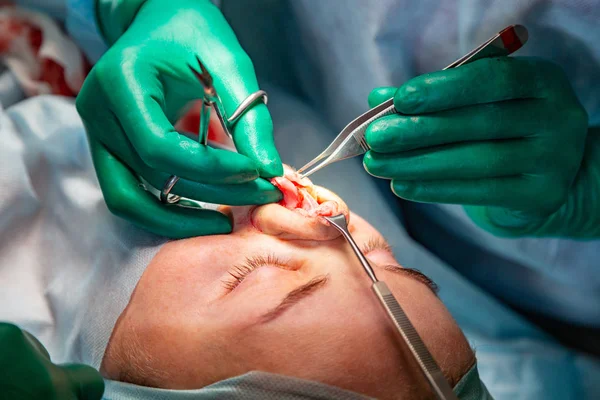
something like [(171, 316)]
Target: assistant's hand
[(140, 87), (26, 372), (504, 135)]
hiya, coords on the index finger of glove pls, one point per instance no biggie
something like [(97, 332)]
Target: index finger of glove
[(483, 81), (485, 122), (381, 94)]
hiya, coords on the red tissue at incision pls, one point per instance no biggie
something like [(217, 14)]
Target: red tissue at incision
[(190, 122), (299, 194)]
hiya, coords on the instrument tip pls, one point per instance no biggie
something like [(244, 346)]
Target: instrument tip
[(514, 37)]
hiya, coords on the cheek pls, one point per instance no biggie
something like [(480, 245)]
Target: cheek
[(185, 273)]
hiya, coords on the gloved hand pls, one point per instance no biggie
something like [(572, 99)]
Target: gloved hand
[(140, 87), (28, 374), (505, 136)]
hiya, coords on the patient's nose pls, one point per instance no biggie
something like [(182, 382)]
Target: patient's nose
[(277, 220), (286, 223)]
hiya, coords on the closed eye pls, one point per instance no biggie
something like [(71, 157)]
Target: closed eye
[(238, 273)]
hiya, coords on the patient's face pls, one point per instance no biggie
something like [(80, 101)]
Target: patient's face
[(209, 308)]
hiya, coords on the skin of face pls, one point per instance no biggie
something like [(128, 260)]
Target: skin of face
[(186, 326)]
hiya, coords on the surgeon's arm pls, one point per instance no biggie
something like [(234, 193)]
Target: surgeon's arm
[(26, 372)]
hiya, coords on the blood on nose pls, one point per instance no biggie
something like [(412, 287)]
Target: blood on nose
[(299, 215)]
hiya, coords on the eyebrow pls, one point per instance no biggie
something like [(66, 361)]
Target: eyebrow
[(412, 273), (379, 243), (296, 296)]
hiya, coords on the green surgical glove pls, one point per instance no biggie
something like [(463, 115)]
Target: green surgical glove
[(28, 374), (141, 86), (506, 137)]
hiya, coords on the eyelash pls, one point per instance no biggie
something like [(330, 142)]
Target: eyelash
[(239, 272), (376, 243)]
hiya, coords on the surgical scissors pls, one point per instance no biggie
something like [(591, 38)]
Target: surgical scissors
[(211, 100), (351, 140), (430, 369)]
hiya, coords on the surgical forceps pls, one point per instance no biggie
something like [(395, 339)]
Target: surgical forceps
[(211, 99), (430, 369), (351, 140)]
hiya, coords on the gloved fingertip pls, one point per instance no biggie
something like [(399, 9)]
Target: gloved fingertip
[(85, 381), (401, 189), (246, 176), (242, 169), (271, 168), (218, 227), (374, 133), (380, 94), (266, 192), (370, 133), (409, 99), (371, 165), (271, 196), (218, 224)]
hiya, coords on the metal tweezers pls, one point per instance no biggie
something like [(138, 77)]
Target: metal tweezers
[(351, 141)]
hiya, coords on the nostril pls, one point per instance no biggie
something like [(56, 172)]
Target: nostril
[(299, 215), (297, 192), (302, 196)]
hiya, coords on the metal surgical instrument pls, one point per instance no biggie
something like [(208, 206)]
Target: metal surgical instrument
[(431, 370), (211, 100), (351, 140)]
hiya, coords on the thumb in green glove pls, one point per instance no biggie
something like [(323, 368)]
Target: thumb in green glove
[(28, 373)]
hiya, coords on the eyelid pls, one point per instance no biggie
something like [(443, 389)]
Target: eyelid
[(239, 272), (269, 259)]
